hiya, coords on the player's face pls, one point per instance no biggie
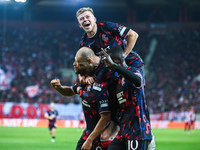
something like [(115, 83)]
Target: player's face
[(118, 59), (82, 67), (52, 106), (87, 21)]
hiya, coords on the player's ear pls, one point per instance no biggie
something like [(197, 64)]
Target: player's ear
[(95, 19), (90, 60), (80, 25)]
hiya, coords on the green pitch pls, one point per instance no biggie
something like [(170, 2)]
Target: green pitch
[(18, 138)]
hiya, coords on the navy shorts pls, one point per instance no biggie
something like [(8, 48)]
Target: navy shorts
[(96, 145), (117, 144), (52, 126)]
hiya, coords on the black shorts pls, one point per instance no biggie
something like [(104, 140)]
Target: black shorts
[(52, 126), (117, 144), (96, 145)]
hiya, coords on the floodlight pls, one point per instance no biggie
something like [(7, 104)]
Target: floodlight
[(20, 1)]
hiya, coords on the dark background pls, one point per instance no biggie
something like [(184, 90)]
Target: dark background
[(113, 10)]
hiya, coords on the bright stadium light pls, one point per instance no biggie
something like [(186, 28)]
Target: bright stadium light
[(20, 1)]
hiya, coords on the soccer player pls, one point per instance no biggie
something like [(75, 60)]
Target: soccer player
[(106, 35), (135, 129), (94, 97), (192, 120), (81, 122), (187, 121), (52, 115)]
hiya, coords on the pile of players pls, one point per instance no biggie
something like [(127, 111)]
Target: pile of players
[(111, 83)]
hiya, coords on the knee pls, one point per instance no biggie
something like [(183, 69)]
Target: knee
[(105, 136)]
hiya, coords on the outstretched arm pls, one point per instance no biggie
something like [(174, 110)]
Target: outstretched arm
[(64, 90)]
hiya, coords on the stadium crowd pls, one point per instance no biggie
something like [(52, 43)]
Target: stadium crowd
[(36, 55)]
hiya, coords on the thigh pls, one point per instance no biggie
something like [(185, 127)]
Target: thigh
[(50, 127), (80, 143)]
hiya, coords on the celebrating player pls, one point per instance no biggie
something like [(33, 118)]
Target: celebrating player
[(106, 35), (135, 129), (94, 97), (81, 122), (52, 115)]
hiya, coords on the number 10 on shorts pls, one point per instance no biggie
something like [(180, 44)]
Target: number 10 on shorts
[(131, 144)]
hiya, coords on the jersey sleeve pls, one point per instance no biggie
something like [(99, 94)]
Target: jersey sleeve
[(117, 29), (137, 74), (132, 74), (57, 113), (103, 103)]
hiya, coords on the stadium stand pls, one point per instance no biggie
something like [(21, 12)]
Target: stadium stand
[(33, 55)]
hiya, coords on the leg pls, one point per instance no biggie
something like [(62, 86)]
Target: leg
[(109, 134), (53, 134), (50, 129), (152, 144)]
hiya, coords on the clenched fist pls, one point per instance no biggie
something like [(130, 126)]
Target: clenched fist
[(55, 83)]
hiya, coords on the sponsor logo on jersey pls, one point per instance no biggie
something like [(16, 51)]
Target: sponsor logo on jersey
[(97, 87), (103, 103), (120, 97)]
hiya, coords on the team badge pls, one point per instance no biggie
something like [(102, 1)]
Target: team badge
[(105, 38)]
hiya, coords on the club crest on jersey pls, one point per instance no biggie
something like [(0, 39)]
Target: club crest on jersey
[(105, 38), (89, 87)]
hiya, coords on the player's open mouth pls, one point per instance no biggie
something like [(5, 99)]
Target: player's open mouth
[(87, 25)]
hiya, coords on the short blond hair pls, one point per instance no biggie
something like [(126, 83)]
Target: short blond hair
[(84, 9)]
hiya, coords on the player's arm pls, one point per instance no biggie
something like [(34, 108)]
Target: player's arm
[(131, 40), (102, 123), (124, 32), (57, 116), (46, 115), (129, 75), (64, 90), (85, 80)]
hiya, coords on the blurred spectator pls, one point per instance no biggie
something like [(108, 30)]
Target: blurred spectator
[(36, 55)]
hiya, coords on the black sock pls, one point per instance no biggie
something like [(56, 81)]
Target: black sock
[(53, 137)]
